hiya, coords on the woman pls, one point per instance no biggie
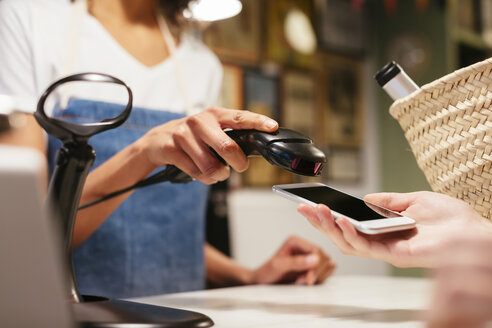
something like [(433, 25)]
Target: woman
[(153, 242)]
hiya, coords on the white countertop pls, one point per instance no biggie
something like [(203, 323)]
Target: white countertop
[(343, 301)]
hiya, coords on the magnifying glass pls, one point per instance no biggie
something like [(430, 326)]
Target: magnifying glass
[(74, 158), (68, 131)]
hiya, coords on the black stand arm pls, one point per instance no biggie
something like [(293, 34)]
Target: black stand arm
[(73, 162)]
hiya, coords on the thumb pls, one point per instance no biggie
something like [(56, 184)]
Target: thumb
[(392, 201)]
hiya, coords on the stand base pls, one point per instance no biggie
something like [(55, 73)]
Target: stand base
[(100, 312)]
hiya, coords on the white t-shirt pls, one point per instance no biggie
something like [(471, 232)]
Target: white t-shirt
[(34, 48)]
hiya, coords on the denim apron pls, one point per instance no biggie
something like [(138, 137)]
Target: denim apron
[(153, 243)]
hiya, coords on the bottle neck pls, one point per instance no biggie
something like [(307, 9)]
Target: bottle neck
[(393, 79), (400, 86)]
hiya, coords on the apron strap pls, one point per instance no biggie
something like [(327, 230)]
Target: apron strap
[(79, 10), (172, 47)]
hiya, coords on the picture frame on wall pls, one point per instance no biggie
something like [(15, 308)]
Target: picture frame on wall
[(340, 27), (237, 38), (340, 97), (468, 15), (261, 95), (486, 9), (232, 86), (299, 110)]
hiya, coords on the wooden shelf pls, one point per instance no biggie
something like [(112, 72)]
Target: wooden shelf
[(471, 39)]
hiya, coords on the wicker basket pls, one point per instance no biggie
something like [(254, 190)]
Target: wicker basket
[(448, 124)]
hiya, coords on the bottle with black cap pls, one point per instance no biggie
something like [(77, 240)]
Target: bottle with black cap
[(393, 79)]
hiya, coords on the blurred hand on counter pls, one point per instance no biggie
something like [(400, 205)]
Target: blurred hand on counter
[(297, 261)]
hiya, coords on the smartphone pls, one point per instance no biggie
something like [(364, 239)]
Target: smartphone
[(366, 217)]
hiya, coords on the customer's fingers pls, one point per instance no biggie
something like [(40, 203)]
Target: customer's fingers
[(309, 213), (332, 230), (393, 201), (353, 238), (325, 223)]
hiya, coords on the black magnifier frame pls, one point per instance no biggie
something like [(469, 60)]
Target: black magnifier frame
[(64, 130), (73, 161)]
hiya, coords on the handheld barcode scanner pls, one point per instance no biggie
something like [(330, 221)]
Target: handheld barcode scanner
[(284, 148), (287, 149), (73, 161)]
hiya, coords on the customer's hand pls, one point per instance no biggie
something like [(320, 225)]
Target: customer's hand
[(185, 142), (463, 290), (439, 217), (297, 261)]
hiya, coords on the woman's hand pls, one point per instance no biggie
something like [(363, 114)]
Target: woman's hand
[(297, 261), (185, 142), (439, 218), (463, 291)]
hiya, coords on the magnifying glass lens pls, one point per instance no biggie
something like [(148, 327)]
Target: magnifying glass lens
[(86, 102)]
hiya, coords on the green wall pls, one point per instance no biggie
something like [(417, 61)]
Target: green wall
[(400, 172), (399, 168)]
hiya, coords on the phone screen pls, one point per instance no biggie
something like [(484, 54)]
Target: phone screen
[(342, 203)]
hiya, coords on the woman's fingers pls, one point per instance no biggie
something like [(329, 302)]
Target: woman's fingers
[(295, 244), (301, 279), (225, 147), (181, 160), (208, 126), (309, 213), (321, 269), (318, 274), (243, 119), (330, 267), (209, 166), (315, 275), (324, 270), (195, 135)]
